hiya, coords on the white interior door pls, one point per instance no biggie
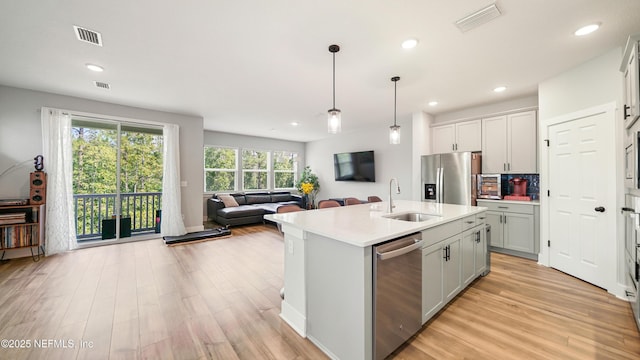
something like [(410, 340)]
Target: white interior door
[(580, 176)]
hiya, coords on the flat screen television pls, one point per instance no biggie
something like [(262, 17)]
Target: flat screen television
[(355, 166)]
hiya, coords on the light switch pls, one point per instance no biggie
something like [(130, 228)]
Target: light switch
[(290, 246)]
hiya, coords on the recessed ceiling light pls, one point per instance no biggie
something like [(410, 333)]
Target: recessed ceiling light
[(433, 103), (585, 30), (295, 123), (95, 68), (500, 89), (409, 43)]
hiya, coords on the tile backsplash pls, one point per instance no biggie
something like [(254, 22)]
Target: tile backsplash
[(533, 184)]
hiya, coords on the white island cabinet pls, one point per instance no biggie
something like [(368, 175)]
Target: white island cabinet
[(328, 275)]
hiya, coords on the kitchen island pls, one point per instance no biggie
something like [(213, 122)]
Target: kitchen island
[(328, 277)]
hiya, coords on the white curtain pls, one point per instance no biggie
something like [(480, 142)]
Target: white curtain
[(172, 224), (58, 164)]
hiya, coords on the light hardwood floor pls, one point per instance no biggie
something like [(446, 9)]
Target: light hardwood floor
[(220, 300)]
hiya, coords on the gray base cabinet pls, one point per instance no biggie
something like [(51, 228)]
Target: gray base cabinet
[(474, 254), (453, 256), (513, 226)]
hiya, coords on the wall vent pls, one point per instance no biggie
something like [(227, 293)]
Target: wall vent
[(86, 35), (102, 85), (478, 18)]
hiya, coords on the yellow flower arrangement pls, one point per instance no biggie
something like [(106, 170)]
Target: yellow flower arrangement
[(307, 188)]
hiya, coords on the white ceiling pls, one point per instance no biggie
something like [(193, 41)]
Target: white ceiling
[(254, 66)]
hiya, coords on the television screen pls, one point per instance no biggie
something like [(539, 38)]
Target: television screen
[(354, 166)]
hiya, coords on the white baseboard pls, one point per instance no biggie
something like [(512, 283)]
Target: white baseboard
[(292, 317)]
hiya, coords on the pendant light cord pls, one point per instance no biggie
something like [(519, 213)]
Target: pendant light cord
[(395, 101), (334, 80)]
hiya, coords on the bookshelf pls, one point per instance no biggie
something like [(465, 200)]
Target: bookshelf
[(22, 226)]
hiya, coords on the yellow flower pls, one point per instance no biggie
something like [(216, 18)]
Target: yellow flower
[(307, 188)]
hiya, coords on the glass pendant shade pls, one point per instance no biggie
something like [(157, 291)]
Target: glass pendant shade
[(334, 121), (394, 134)]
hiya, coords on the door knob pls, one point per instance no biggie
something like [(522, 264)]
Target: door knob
[(599, 209)]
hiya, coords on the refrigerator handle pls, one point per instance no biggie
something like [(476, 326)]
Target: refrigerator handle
[(441, 184), (437, 185)]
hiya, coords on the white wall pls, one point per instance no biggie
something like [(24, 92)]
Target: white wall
[(21, 139), (392, 161), (593, 83), (526, 102), (421, 123), (217, 138)]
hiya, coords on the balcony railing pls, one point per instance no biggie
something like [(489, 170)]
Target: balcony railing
[(91, 209)]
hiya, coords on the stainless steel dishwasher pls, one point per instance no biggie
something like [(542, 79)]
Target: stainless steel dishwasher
[(397, 293)]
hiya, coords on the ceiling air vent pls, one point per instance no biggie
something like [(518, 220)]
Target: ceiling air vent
[(102, 85), (478, 18), (86, 35)]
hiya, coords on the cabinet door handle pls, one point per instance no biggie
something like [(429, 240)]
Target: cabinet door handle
[(500, 221), (503, 207), (504, 166), (505, 219), (469, 222), (626, 107), (453, 147), (599, 209), (444, 256)]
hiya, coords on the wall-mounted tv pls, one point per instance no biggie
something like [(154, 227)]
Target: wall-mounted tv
[(355, 166)]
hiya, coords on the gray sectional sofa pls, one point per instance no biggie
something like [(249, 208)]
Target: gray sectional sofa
[(251, 207)]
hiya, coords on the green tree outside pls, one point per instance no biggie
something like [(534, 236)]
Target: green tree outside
[(94, 172)]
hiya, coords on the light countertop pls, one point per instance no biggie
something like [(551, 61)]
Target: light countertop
[(519, 202), (365, 225)]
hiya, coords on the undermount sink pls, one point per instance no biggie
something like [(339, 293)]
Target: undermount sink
[(413, 217)]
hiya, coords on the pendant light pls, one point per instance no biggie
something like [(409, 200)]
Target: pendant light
[(334, 120), (394, 130)]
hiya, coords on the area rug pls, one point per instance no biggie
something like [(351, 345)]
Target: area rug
[(198, 236)]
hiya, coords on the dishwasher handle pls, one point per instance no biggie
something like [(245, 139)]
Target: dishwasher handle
[(398, 252)]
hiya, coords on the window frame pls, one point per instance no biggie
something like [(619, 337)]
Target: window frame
[(234, 171), (293, 171), (267, 171), (239, 171)]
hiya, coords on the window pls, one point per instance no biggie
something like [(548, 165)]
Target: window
[(285, 168), (254, 169), (220, 166), (228, 169)]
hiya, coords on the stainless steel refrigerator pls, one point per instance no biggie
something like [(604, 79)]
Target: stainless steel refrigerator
[(450, 178)]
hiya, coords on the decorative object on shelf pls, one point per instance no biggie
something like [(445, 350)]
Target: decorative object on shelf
[(394, 130), (335, 120), (308, 186), (38, 162)]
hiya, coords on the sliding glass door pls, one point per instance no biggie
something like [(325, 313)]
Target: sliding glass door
[(117, 184)]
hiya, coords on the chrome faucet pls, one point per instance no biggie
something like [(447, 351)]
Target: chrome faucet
[(391, 206)]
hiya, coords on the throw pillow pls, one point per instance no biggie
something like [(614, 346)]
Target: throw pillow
[(228, 200)]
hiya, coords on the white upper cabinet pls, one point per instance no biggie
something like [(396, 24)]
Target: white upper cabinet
[(629, 67), (509, 143), (463, 136)]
